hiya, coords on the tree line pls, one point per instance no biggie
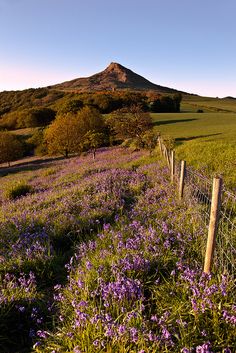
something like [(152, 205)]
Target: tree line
[(82, 131), (39, 107)]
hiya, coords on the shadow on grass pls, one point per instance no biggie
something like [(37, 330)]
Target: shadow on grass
[(29, 166), (180, 140), (165, 122)]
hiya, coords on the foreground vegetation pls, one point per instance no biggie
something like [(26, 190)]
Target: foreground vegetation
[(99, 256)]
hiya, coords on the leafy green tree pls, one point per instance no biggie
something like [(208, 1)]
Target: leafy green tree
[(67, 133), (177, 98), (9, 121), (36, 117), (63, 135), (102, 102), (11, 148), (90, 119), (165, 103), (130, 123), (92, 140), (37, 142), (150, 139), (169, 142), (72, 106)]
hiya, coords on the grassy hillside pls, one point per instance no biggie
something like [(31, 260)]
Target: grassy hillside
[(192, 103), (189, 126), (133, 253), (204, 140)]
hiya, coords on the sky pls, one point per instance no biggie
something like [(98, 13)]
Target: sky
[(189, 45)]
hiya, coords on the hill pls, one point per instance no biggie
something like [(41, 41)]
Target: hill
[(101, 256), (114, 77), (110, 89)]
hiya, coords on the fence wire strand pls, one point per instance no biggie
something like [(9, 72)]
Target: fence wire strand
[(199, 188)]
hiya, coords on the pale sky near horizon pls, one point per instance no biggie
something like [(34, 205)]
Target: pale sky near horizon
[(185, 44)]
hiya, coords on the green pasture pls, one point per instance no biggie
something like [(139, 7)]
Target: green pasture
[(206, 141), (192, 103), (190, 126)]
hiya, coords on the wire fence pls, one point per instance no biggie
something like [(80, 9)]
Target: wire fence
[(199, 188), (225, 257)]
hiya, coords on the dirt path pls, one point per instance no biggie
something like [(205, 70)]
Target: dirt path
[(27, 163)]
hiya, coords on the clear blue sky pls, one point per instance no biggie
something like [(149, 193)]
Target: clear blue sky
[(186, 44)]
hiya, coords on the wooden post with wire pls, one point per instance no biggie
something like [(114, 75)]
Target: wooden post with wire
[(172, 165), (160, 145), (182, 179), (167, 156), (213, 224)]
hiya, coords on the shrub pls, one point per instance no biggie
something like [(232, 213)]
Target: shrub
[(37, 141), (49, 171), (11, 148), (169, 142), (17, 190)]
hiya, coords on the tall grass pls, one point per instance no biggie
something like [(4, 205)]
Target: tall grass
[(212, 158), (205, 140)]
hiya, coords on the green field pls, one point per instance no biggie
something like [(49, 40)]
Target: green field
[(204, 140), (189, 126), (192, 103)]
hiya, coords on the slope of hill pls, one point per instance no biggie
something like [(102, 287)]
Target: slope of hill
[(115, 76), (133, 252)]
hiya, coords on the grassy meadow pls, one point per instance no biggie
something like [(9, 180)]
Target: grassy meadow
[(205, 140), (207, 104)]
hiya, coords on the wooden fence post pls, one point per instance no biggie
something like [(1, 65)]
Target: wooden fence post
[(172, 165), (213, 224), (182, 179), (167, 156), (160, 145), (165, 152)]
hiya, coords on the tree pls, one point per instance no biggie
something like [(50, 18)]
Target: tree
[(67, 133), (165, 103), (130, 123), (102, 102), (72, 106), (11, 148), (92, 140), (37, 142), (63, 135), (150, 139), (9, 121), (35, 117), (177, 100), (169, 142), (89, 119)]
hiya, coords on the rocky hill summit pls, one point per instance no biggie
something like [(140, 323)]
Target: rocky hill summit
[(114, 77)]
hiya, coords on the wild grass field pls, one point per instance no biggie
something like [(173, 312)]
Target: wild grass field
[(207, 104), (207, 141), (100, 256)]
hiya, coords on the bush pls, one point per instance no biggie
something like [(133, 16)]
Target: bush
[(37, 142), (17, 190), (11, 148)]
